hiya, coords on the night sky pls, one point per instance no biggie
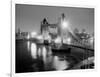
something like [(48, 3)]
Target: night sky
[(28, 17)]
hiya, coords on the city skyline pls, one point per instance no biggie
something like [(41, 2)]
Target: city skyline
[(28, 17)]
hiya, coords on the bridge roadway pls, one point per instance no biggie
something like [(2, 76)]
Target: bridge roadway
[(85, 47)]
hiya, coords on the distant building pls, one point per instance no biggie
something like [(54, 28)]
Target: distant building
[(21, 35)]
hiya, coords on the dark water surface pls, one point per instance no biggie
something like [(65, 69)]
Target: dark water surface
[(32, 57)]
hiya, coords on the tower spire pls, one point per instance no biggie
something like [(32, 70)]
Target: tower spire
[(63, 16)]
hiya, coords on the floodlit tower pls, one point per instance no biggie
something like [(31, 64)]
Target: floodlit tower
[(44, 25)]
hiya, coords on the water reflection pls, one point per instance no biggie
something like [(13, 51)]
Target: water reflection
[(32, 57), (60, 64), (44, 53), (39, 52), (33, 50), (28, 45)]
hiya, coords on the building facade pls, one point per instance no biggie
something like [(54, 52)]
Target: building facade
[(49, 30)]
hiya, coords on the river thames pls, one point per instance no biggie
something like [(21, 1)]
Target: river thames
[(33, 57)]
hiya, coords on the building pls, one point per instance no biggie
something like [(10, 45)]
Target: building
[(48, 29), (21, 35)]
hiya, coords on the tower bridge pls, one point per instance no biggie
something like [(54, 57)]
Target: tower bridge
[(62, 29)]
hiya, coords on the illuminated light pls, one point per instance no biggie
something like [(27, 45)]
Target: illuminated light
[(39, 37), (28, 36), (64, 24), (57, 40), (28, 45), (48, 38), (33, 50), (88, 60), (39, 52), (33, 34), (91, 41), (69, 40), (44, 54)]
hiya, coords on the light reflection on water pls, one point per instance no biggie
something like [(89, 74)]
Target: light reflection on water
[(60, 64), (44, 52), (33, 57), (39, 52), (33, 50), (28, 45)]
